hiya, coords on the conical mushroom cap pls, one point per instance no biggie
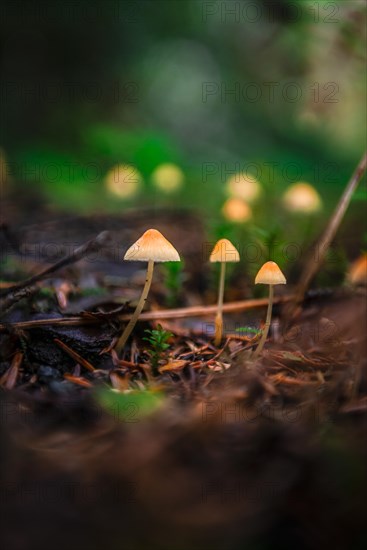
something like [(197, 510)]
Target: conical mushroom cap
[(270, 274), (224, 251), (152, 246)]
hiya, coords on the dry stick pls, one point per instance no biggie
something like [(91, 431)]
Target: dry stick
[(179, 313), (6, 303), (198, 311), (313, 265), (27, 287)]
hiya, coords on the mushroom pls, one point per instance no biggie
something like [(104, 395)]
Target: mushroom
[(244, 187), (123, 180), (236, 210), (268, 274), (168, 177), (302, 197), (223, 252), (357, 274), (151, 247)]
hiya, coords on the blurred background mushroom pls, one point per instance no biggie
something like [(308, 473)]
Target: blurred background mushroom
[(236, 210), (357, 273), (302, 198), (168, 178), (123, 181), (243, 187)]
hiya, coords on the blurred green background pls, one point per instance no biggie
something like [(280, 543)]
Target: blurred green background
[(273, 90)]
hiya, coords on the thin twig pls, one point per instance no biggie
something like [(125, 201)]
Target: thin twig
[(15, 293), (314, 263), (179, 313)]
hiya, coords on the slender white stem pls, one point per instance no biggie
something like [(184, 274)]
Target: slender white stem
[(139, 308), (267, 323), (219, 317)]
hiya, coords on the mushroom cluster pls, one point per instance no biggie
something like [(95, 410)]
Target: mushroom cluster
[(153, 247)]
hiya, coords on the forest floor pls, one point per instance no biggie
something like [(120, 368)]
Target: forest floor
[(211, 449)]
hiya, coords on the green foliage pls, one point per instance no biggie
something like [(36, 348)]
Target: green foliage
[(158, 340), (246, 330), (129, 407), (141, 148), (173, 272), (360, 195), (334, 268)]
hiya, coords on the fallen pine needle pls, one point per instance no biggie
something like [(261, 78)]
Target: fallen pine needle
[(281, 379), (74, 355), (9, 379), (77, 380)]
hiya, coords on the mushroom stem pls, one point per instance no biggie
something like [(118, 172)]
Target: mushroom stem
[(139, 308), (267, 323), (219, 317)]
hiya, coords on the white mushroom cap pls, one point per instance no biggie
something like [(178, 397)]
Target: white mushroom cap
[(270, 274), (224, 251), (152, 246)]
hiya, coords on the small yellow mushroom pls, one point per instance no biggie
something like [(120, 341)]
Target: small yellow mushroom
[(223, 252), (269, 274), (151, 247)]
